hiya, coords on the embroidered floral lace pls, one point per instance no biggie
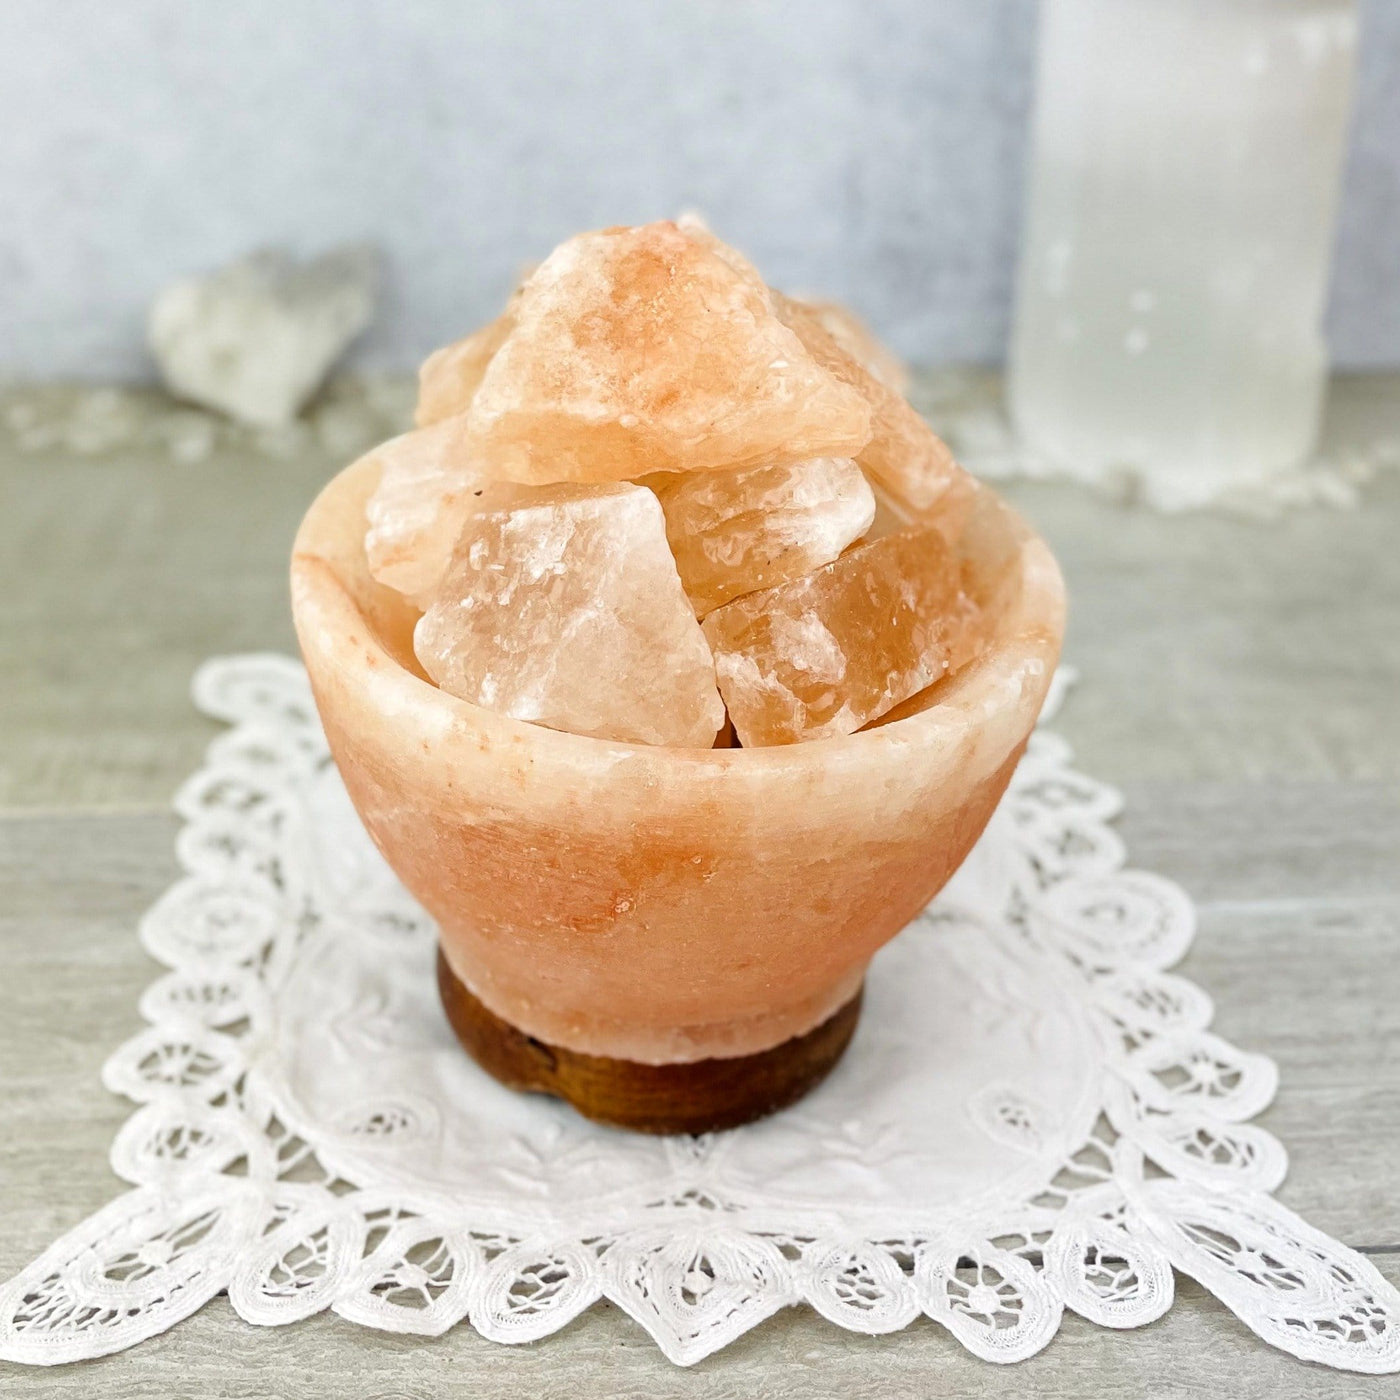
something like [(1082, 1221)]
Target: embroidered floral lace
[(1034, 1114)]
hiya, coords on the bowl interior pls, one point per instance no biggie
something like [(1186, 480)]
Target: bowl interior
[(1007, 569)]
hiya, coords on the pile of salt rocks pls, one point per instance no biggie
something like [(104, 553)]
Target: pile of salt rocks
[(655, 490)]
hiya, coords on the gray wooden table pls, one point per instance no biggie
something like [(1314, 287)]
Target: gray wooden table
[(1241, 682)]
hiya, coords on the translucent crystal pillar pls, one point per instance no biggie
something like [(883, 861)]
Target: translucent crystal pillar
[(1182, 195)]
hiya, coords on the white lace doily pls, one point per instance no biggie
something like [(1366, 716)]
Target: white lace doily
[(1033, 1115)]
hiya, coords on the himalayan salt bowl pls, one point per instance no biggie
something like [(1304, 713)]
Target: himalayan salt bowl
[(672, 939)]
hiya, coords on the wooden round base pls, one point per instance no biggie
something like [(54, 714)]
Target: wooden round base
[(699, 1097)]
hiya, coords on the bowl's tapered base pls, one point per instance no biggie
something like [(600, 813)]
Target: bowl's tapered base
[(698, 1097)]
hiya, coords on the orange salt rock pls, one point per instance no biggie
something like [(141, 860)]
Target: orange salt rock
[(566, 609), (890, 514), (904, 454), (428, 487), (695, 228), (826, 654), (949, 514), (859, 342), (449, 378), (638, 350), (734, 532), (970, 631)]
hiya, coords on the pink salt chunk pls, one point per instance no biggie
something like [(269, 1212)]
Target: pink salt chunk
[(428, 487), (638, 350), (734, 532), (567, 610), (904, 455), (949, 514), (449, 378), (969, 635), (698, 231), (859, 342), (826, 654)]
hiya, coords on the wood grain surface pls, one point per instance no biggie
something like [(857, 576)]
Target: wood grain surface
[(1241, 682)]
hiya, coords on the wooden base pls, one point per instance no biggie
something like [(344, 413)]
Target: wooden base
[(699, 1097)]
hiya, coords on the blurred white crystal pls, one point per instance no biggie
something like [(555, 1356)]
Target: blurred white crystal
[(255, 339), (1187, 159)]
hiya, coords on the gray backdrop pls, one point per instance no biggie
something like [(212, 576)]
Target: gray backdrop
[(871, 149)]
